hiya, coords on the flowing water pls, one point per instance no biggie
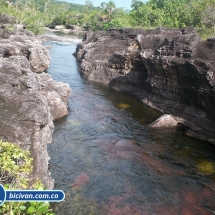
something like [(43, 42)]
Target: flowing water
[(109, 162)]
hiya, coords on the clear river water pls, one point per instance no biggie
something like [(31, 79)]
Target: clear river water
[(109, 162)]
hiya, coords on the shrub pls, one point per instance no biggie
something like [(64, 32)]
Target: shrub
[(15, 167)]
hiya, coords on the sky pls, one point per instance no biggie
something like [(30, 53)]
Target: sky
[(119, 3)]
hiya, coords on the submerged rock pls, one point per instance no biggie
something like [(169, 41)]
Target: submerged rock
[(80, 180), (123, 106), (164, 121), (206, 168), (29, 102), (169, 70)]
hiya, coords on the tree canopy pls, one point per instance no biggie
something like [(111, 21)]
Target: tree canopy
[(35, 15)]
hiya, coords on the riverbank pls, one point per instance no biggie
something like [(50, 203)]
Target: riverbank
[(30, 100), (169, 70)]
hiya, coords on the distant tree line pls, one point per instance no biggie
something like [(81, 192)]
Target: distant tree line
[(199, 14)]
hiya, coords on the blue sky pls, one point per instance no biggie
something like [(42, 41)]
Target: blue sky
[(119, 3)]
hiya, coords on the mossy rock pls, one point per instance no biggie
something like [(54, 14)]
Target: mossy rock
[(123, 106), (206, 168)]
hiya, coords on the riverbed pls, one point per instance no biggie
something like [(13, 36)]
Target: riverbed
[(109, 162)]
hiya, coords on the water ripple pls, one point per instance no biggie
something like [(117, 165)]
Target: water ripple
[(109, 162)]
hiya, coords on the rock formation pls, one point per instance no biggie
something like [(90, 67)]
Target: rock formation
[(29, 98), (169, 70)]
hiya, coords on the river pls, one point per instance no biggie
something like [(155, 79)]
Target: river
[(109, 162)]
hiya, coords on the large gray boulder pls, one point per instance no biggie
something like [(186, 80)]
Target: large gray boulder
[(22, 42), (29, 99)]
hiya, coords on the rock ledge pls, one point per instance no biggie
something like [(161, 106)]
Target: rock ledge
[(29, 98), (168, 69)]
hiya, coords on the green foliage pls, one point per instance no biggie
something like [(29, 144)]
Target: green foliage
[(198, 14), (24, 208), (135, 4), (26, 14), (10, 28), (146, 16), (15, 167), (171, 14), (119, 20), (38, 208), (35, 15), (205, 33), (207, 14)]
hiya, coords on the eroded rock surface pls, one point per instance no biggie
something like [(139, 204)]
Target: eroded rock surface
[(170, 70), (16, 41), (29, 101)]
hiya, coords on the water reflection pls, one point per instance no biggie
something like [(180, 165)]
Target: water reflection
[(108, 161)]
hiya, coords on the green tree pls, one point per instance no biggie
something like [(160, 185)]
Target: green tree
[(110, 7), (147, 16), (120, 19), (103, 5), (135, 4), (88, 6), (208, 14)]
